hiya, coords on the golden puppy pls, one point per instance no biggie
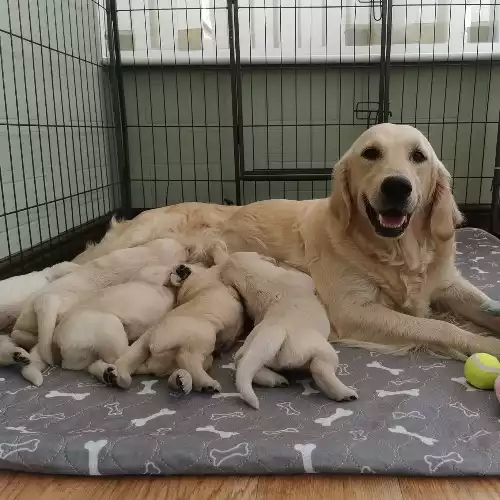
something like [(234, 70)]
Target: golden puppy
[(208, 314), (291, 327)]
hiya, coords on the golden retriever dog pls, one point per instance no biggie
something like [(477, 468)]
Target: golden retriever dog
[(291, 327), (96, 332), (39, 317), (380, 249), (208, 315)]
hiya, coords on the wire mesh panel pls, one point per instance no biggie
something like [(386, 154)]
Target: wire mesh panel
[(178, 95), (445, 82), (58, 166)]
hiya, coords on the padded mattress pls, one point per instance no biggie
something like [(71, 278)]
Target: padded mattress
[(415, 416)]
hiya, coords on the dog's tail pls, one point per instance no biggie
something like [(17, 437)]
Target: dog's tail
[(262, 349), (47, 310)]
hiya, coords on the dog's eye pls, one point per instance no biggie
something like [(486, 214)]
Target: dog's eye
[(372, 154), (416, 156)]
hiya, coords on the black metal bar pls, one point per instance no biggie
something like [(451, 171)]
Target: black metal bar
[(288, 174), (387, 67), (119, 109), (234, 100), (383, 54), (495, 187)]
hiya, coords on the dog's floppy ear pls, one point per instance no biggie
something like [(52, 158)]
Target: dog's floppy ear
[(444, 214), (341, 201)]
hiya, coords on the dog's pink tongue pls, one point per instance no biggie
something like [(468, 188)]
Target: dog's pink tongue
[(392, 220)]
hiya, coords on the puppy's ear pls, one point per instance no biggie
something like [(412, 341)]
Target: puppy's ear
[(341, 201), (444, 213)]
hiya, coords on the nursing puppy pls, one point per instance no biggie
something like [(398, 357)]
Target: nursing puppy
[(208, 315), (97, 332), (40, 315), (15, 291), (291, 326)]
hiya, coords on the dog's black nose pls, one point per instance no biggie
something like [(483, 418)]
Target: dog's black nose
[(396, 188), (182, 271)]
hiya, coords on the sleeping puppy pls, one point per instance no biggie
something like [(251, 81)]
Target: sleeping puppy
[(40, 315), (208, 314), (15, 291), (97, 332), (291, 329)]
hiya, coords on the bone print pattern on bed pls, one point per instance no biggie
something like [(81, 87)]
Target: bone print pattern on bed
[(430, 424)]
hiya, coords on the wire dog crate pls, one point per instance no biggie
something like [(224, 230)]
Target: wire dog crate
[(113, 106)]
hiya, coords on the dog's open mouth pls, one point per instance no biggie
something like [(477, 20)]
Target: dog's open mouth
[(389, 223)]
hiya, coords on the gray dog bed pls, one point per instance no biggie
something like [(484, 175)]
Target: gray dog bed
[(414, 416)]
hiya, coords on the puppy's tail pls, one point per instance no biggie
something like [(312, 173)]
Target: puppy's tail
[(46, 309), (263, 348)]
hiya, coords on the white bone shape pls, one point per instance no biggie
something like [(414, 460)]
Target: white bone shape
[(434, 462), (463, 382), (21, 429), (41, 416), (393, 371), (289, 409), (466, 439), (408, 392), (230, 366), (220, 416), (220, 456), (342, 370), (28, 388), (468, 413), (401, 430), (358, 435), (94, 448), (7, 449), (114, 409), (222, 395), (308, 389), (280, 431), (147, 389), (479, 271), (431, 367), (151, 468), (76, 396), (162, 431), (222, 434), (398, 415), (339, 413), (141, 422), (305, 451), (401, 382)]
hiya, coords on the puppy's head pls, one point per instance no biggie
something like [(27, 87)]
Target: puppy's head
[(391, 173)]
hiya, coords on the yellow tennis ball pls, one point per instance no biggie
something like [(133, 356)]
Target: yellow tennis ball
[(481, 370)]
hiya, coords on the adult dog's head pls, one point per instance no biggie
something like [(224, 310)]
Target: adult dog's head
[(390, 176)]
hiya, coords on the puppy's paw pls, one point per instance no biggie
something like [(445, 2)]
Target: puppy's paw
[(211, 387), (110, 376), (32, 374), (346, 394), (281, 381), (21, 357), (181, 380)]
